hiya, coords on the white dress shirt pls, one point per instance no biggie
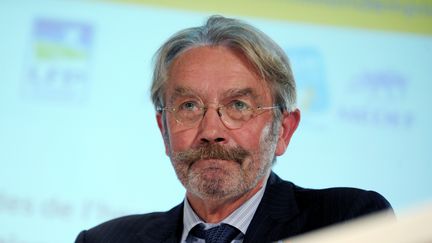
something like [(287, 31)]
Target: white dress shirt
[(240, 218)]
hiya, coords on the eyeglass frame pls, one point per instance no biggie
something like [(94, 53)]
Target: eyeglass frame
[(218, 108)]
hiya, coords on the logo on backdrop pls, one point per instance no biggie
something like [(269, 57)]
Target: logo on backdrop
[(308, 65), (377, 98), (370, 98), (309, 72), (58, 60)]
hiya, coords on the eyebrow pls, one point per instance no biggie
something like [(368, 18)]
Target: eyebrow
[(181, 92), (240, 92)]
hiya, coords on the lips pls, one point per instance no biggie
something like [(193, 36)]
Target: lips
[(212, 163), (212, 168)]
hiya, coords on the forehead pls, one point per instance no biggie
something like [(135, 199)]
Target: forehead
[(214, 71)]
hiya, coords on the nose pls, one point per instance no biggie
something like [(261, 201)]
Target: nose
[(211, 129)]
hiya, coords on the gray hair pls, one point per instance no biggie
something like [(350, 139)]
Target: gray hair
[(269, 60)]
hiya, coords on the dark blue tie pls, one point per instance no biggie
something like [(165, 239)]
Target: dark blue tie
[(223, 233)]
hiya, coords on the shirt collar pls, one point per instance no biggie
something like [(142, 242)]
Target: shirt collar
[(240, 218)]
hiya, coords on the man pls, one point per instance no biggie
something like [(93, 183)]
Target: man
[(225, 100)]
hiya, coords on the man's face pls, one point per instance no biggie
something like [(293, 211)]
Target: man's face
[(211, 159)]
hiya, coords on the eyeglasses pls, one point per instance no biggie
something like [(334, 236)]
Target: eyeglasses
[(233, 115)]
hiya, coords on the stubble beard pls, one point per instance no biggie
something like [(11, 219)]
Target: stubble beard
[(218, 180)]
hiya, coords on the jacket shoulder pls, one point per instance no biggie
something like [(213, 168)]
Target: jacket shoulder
[(294, 210), (287, 209), (338, 202), (334, 205), (128, 228)]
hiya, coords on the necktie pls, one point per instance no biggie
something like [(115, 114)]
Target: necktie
[(223, 233)]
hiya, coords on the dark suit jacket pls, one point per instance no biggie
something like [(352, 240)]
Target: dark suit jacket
[(285, 210)]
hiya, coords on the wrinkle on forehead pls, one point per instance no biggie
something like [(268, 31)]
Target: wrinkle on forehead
[(181, 91), (214, 73), (240, 92)]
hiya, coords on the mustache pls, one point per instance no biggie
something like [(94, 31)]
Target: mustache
[(213, 151)]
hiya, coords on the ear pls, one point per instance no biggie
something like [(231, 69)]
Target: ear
[(163, 131), (290, 121)]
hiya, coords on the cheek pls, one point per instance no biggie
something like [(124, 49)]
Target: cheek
[(181, 141), (248, 140), (257, 140)]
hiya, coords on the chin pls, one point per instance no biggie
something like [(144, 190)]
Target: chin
[(216, 186)]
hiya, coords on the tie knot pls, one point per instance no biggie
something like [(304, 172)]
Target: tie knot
[(223, 233)]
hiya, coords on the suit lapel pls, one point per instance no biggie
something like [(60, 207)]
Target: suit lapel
[(167, 228), (276, 215)]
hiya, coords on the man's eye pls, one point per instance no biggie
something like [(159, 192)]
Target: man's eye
[(239, 105), (188, 106)]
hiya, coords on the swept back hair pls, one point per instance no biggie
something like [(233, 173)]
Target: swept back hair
[(269, 60)]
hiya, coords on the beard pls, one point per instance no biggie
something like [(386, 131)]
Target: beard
[(228, 172)]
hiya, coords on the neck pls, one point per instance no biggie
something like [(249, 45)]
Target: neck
[(215, 210)]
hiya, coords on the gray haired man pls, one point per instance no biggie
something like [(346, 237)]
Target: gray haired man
[(225, 103)]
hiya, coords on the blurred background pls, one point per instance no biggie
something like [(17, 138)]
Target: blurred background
[(78, 139)]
